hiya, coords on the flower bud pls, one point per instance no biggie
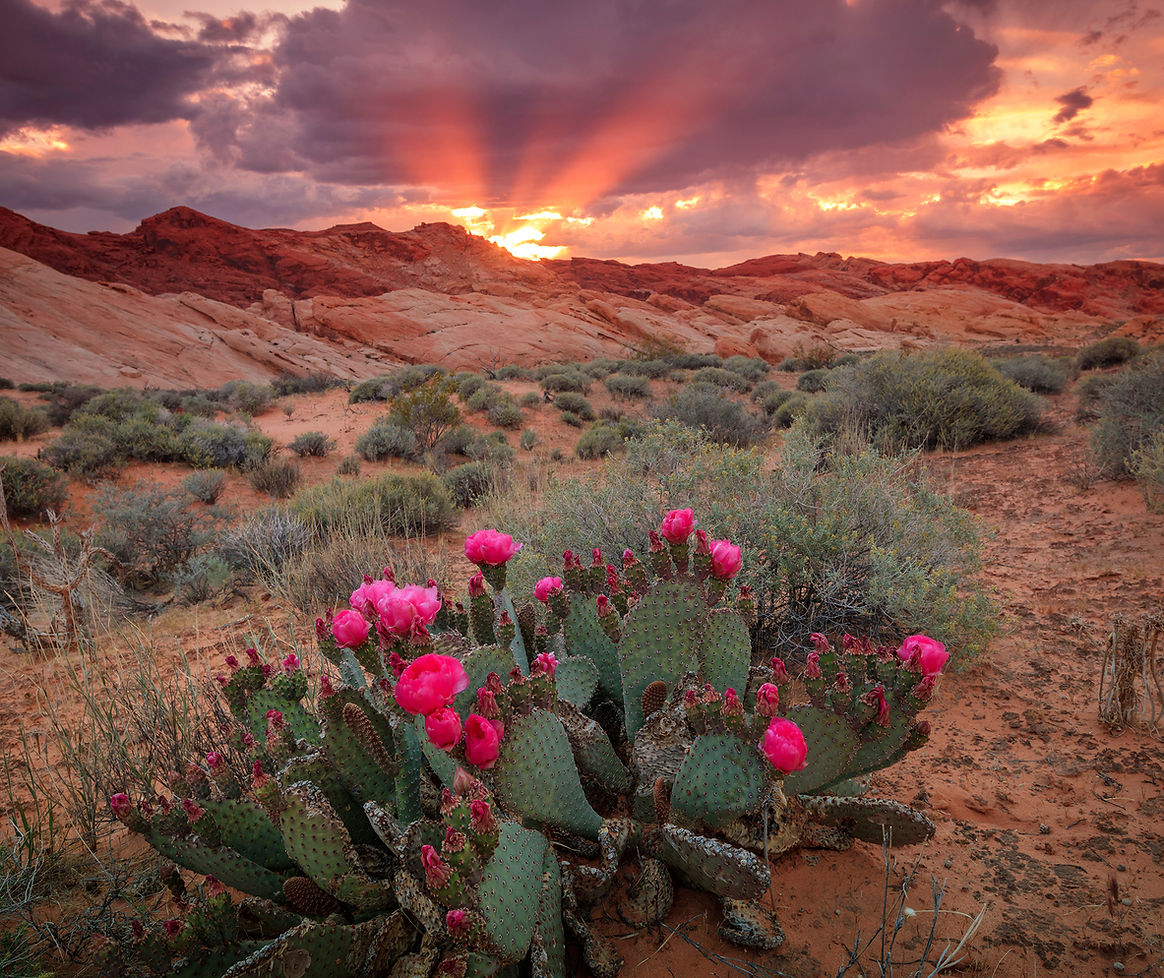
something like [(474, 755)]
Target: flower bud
[(767, 700)]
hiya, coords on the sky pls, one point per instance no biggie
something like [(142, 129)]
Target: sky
[(640, 130)]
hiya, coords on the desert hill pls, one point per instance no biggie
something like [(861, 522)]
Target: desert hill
[(353, 298)]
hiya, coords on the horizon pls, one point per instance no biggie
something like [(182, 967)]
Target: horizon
[(985, 129)]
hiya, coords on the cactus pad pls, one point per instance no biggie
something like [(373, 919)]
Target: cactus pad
[(865, 818), (721, 779), (218, 861), (710, 864), (576, 679), (725, 654), (303, 725), (584, 636), (246, 828), (549, 935), (593, 750), (831, 746), (535, 775), (510, 890)]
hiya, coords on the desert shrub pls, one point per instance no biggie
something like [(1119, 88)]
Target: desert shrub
[(314, 444), (467, 384), (856, 543), (773, 400), (17, 422), (349, 465), (309, 383), (200, 578), (84, 452), (263, 541), (1108, 352), (528, 439), (572, 419), (946, 399), (511, 371), (1131, 416), (245, 397), (206, 485), (199, 405), (505, 413), (813, 357), (751, 369), (693, 361), (792, 365), (374, 389), (469, 482), (601, 367), (151, 531), (651, 369), (1092, 391), (571, 380), (627, 387), (813, 381), (402, 504), (427, 411), (704, 406), (493, 447), (415, 375), (6, 384), (64, 399), (721, 377), (384, 440), (530, 400), (207, 445), (787, 409), (276, 477), (31, 488), (1035, 373), (572, 401), (599, 440), (456, 440), (763, 389), (1148, 469), (484, 397)]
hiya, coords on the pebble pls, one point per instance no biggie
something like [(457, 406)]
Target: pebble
[(948, 863)]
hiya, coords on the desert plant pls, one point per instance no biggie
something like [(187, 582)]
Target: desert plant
[(511, 371), (947, 399), (30, 488), (1131, 416), (246, 397), (704, 406), (427, 411), (813, 381), (349, 465), (404, 504), (1148, 469), (627, 387), (505, 413), (600, 368), (721, 377), (752, 369), (785, 409), (1092, 391), (200, 578), (277, 477), (18, 422), (528, 439), (570, 418), (310, 383), (692, 361), (385, 440), (263, 542), (483, 881), (576, 403), (206, 485), (150, 531), (1035, 373), (485, 397), (600, 440), (530, 401), (374, 389), (207, 445), (199, 405), (469, 482), (85, 453), (568, 380), (314, 444), (654, 369), (65, 399), (467, 384), (1109, 352)]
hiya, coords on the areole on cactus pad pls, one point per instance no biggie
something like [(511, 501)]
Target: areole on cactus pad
[(468, 781)]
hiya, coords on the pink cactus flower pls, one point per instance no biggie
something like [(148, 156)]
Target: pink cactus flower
[(216, 761), (725, 559), (275, 720), (454, 841), (547, 586), (545, 662), (396, 664), (232, 662), (779, 672), (876, 697), (403, 608), (253, 656), (290, 663), (430, 682), (678, 525), (172, 927), (326, 689), (784, 746), (121, 805), (482, 742), (367, 595), (732, 707), (812, 666), (436, 870), (931, 654), (213, 887), (463, 782), (457, 922), (490, 547), (767, 700), (443, 728), (486, 703), (481, 818), (477, 585), (193, 810), (267, 669), (819, 642)]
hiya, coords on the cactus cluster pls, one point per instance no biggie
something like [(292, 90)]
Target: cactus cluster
[(469, 781)]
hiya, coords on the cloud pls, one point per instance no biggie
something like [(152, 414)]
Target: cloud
[(1072, 103), (95, 64)]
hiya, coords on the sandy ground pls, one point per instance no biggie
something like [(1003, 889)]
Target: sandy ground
[(1045, 818)]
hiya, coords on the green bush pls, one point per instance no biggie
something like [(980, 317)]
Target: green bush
[(505, 413), (263, 542), (384, 440), (415, 375), (245, 397), (206, 485), (6, 384), (468, 384), (485, 396), (198, 405), (309, 383), (493, 448), (751, 369), (813, 381), (763, 389), (704, 406), (1148, 469), (572, 419), (600, 440), (627, 387), (773, 400), (456, 440), (427, 411), (530, 400), (787, 409), (1108, 352), (655, 369), (401, 504), (693, 361), (571, 380), (1092, 391), (200, 578), (64, 399), (85, 453), (207, 445), (375, 389), (528, 439), (577, 403), (721, 377), (313, 444), (18, 422), (151, 531), (512, 371), (30, 488), (1132, 415), (947, 399), (349, 465), (858, 543), (276, 477), (470, 482), (601, 367), (1035, 373)]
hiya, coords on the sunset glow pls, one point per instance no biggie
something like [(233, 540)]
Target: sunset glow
[(708, 136)]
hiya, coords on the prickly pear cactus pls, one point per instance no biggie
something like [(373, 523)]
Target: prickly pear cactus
[(467, 782)]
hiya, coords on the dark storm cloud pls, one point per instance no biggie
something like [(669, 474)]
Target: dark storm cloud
[(668, 92), (1072, 102), (93, 65)]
